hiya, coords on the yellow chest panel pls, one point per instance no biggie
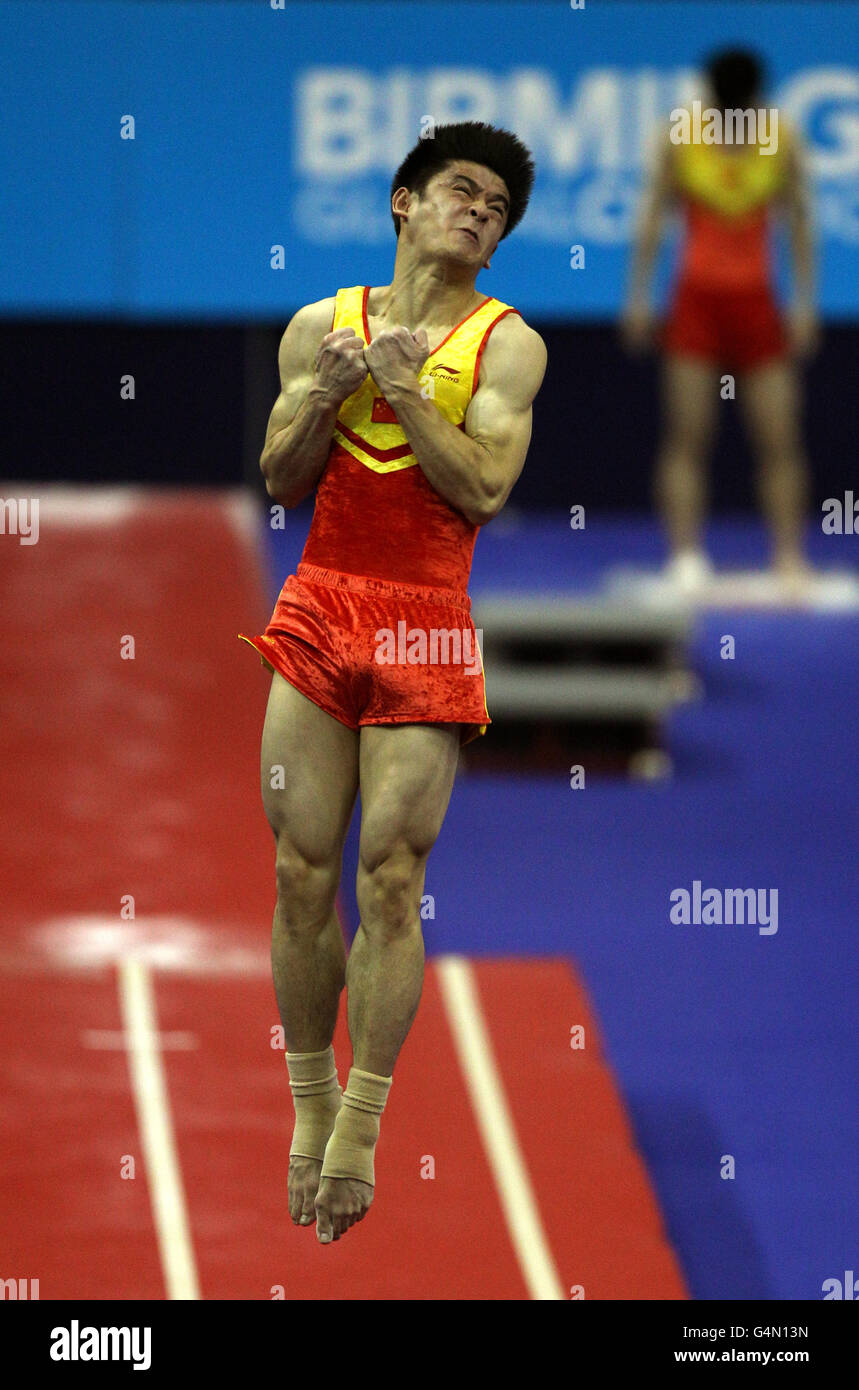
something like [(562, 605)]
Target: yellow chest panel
[(731, 182), (366, 425)]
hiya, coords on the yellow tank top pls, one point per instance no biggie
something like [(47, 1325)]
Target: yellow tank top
[(366, 425), (732, 182)]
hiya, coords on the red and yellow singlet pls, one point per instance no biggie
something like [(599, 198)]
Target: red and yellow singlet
[(727, 195), (723, 308), (376, 514), (386, 555)]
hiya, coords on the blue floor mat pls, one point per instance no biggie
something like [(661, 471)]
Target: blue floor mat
[(725, 1041)]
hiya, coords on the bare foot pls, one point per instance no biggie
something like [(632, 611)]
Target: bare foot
[(340, 1202), (302, 1185)]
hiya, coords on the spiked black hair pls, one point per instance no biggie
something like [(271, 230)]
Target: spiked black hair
[(495, 149), (737, 76)]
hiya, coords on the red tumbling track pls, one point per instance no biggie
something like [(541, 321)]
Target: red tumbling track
[(140, 777)]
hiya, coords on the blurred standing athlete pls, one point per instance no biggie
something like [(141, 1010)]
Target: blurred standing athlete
[(411, 448), (724, 316)]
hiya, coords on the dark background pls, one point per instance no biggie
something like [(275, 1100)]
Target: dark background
[(203, 394)]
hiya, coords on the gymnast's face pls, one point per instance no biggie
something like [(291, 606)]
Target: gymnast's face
[(462, 212)]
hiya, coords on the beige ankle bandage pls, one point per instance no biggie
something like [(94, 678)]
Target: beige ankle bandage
[(351, 1147), (316, 1097)]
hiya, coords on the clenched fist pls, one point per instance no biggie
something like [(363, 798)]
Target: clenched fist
[(340, 367), (395, 358)]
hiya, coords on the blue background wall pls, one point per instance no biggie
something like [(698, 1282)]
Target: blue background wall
[(257, 127)]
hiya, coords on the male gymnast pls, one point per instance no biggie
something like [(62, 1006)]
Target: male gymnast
[(408, 408)]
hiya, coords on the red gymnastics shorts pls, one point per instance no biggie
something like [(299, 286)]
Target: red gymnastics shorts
[(734, 328), (368, 651)]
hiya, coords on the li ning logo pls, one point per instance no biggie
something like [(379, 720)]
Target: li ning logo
[(437, 646)]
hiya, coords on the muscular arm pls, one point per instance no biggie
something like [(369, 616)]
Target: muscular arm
[(475, 469), (299, 430)]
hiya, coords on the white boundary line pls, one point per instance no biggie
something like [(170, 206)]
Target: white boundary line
[(474, 1048), (149, 1084)]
